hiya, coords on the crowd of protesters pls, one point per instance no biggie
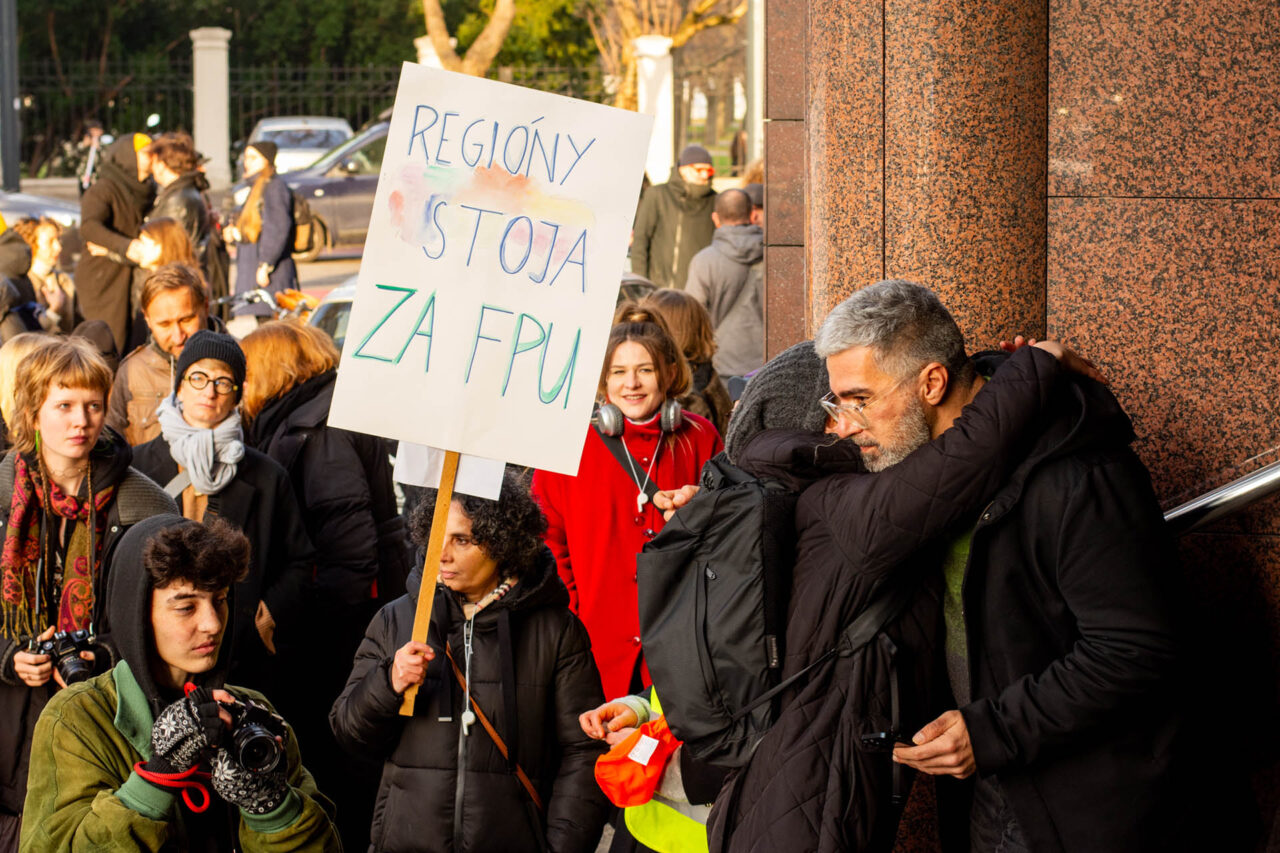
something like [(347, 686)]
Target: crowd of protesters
[(190, 549)]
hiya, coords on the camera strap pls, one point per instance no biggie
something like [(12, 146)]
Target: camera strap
[(188, 781), (493, 733)]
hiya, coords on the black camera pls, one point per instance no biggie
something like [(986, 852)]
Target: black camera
[(64, 648), (256, 735)]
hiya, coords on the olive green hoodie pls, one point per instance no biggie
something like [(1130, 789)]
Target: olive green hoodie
[(82, 791)]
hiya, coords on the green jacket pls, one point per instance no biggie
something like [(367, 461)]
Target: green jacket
[(82, 793), (672, 225)]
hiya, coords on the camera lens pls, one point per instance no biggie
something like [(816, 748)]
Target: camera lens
[(74, 668), (256, 748)]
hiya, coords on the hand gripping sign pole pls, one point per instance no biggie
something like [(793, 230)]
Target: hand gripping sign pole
[(431, 567)]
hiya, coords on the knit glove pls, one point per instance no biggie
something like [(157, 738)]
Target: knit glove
[(254, 793), (183, 731)]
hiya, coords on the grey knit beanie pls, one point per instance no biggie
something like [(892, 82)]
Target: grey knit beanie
[(783, 394)]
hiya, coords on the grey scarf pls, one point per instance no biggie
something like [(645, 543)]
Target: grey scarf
[(209, 456)]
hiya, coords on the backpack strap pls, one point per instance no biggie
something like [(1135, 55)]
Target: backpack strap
[(614, 443), (890, 599)]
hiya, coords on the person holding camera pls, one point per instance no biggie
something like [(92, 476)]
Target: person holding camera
[(67, 494), (158, 754)]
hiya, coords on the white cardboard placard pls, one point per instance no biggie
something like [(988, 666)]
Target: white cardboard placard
[(419, 465), (495, 249)]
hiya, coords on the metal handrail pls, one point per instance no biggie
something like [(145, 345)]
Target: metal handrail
[(1224, 500)]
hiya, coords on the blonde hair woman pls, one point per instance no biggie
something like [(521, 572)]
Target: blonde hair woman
[(264, 230), (67, 494)]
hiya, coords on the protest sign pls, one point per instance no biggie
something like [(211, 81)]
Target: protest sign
[(495, 249)]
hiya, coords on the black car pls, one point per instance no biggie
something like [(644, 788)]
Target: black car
[(338, 187)]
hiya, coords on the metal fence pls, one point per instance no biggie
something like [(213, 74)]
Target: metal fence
[(57, 101)]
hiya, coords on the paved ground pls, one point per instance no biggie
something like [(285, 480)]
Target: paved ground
[(323, 275)]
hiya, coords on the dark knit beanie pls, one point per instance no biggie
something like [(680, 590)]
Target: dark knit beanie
[(755, 192), (693, 154), (266, 149), (215, 345), (783, 394)]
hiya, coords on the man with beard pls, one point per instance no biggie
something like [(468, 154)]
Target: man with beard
[(1058, 597)]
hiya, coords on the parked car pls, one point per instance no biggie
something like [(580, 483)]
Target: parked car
[(338, 187), (300, 140), (333, 312), (15, 206)]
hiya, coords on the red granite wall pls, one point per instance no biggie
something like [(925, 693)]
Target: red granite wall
[(1106, 171)]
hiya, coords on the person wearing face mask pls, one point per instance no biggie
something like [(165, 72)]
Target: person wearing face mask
[(67, 494), (150, 755), (264, 231), (201, 459), (599, 520), (111, 214), (673, 221)]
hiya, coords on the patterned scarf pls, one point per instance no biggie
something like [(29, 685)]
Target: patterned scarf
[(469, 610), (26, 590)]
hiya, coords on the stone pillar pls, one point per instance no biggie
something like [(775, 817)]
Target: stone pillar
[(212, 101), (656, 97), (755, 79), (427, 53)]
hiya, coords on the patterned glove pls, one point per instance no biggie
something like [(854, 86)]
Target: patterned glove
[(183, 731), (255, 793)]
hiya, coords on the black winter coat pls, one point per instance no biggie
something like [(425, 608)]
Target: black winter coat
[(555, 680), (111, 214), (183, 201), (343, 483), (810, 785), (20, 706), (260, 502), (1069, 599)]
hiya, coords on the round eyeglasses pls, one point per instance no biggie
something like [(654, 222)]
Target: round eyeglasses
[(221, 386)]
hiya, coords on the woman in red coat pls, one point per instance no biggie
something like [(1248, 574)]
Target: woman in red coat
[(599, 520)]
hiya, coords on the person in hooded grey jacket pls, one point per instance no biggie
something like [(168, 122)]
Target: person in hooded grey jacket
[(500, 624), (728, 278)]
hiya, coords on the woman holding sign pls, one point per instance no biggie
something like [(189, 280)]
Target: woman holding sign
[(641, 442), (494, 758)]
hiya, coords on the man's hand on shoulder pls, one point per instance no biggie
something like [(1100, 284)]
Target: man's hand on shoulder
[(942, 748)]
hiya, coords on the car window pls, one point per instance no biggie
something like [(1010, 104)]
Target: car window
[(306, 137), (368, 159)]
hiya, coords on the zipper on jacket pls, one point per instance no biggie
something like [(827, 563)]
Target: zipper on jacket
[(675, 255), (468, 718), (964, 584)]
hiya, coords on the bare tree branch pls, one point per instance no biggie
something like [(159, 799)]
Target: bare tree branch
[(438, 32), (487, 45)]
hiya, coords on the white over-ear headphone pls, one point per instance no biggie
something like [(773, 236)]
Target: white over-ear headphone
[(611, 421)]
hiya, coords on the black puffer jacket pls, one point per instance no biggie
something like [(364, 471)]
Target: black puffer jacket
[(809, 785), (136, 498), (343, 483), (555, 680)]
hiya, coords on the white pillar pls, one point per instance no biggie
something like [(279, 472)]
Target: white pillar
[(755, 80), (656, 97), (212, 101), (427, 52)]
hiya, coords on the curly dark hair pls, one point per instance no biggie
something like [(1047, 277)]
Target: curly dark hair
[(209, 556), (509, 530)]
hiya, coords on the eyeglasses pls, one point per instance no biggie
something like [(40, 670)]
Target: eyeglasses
[(840, 409), (222, 385)]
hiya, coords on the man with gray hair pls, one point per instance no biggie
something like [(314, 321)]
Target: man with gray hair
[(1058, 597)]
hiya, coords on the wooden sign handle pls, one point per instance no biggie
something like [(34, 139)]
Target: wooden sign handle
[(431, 566)]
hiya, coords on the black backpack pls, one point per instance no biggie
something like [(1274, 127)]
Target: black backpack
[(713, 588), (712, 592)]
